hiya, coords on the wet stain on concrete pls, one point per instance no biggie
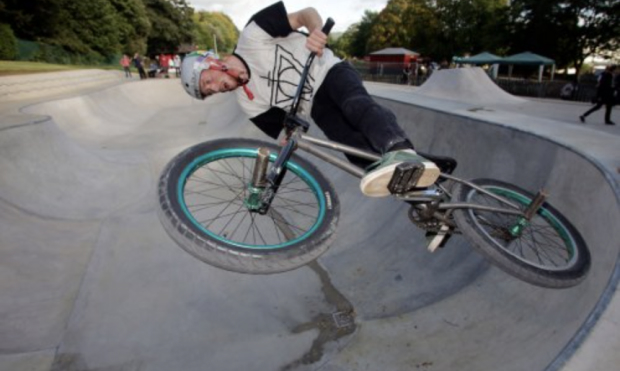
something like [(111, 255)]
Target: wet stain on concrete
[(331, 326)]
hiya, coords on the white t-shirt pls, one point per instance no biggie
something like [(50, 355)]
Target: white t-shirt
[(275, 56)]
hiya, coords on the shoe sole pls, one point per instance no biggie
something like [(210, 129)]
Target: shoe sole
[(377, 186)]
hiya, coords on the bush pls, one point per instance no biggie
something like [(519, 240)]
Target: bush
[(8, 43)]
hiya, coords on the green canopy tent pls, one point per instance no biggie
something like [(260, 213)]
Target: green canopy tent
[(479, 59), (529, 59)]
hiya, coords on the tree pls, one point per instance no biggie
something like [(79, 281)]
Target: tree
[(32, 19), (358, 35), (171, 25), (218, 25), (133, 25), (389, 29), (568, 31), (8, 43), (89, 26), (466, 26), (424, 26)]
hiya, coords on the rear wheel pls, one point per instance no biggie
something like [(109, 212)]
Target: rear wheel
[(203, 195), (545, 251)]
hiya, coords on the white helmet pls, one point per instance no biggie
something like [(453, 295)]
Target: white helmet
[(191, 68)]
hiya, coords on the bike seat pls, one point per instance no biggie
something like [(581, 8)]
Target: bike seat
[(445, 164)]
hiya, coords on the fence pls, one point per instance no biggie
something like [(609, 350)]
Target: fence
[(393, 73)]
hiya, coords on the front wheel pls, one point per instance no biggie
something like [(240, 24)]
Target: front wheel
[(545, 251), (203, 195)]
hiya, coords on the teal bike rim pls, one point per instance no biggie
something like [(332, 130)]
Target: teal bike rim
[(557, 225), (250, 153)]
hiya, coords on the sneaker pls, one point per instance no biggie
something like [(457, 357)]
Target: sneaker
[(375, 183), (582, 118), (610, 123)]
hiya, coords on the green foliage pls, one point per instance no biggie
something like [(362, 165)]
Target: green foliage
[(354, 41), (33, 19), (424, 27), (567, 31), (390, 29), (210, 24), (439, 28), (90, 27), (171, 25), (134, 26), (8, 43)]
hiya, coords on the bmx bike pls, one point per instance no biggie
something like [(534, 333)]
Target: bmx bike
[(253, 207)]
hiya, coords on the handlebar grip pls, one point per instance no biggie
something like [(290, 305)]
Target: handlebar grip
[(328, 26)]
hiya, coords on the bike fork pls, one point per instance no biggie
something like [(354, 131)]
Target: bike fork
[(266, 181)]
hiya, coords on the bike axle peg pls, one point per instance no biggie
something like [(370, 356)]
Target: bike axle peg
[(259, 178), (536, 203)]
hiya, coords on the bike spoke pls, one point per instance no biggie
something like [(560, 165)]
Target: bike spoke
[(538, 242), (216, 192)]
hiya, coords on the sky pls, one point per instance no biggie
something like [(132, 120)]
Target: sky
[(344, 12)]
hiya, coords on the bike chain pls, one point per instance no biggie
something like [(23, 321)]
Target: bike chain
[(429, 225)]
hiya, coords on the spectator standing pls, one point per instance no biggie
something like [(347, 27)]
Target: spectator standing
[(604, 95), (137, 62), (126, 62), (177, 63), (407, 74)]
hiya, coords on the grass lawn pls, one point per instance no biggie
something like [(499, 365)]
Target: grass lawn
[(20, 68)]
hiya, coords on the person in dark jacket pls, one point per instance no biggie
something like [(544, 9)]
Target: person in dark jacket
[(604, 95), (137, 62)]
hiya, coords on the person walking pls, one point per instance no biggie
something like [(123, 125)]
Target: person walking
[(617, 86), (126, 62), (604, 95)]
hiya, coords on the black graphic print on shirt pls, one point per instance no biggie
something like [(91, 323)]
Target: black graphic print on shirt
[(285, 77)]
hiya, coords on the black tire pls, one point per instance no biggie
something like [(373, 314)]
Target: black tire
[(548, 252), (298, 229)]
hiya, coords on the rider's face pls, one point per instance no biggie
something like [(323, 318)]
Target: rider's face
[(214, 81)]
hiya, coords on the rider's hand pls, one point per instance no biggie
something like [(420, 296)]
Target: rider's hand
[(316, 41)]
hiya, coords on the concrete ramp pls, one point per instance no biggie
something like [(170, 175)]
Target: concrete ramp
[(471, 85), (90, 281)]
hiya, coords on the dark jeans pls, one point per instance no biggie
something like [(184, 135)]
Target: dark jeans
[(347, 114), (608, 107), (142, 72)]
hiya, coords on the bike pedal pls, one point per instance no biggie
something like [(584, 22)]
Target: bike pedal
[(405, 177), (438, 239)]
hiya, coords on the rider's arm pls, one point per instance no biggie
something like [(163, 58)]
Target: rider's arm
[(307, 17), (311, 20)]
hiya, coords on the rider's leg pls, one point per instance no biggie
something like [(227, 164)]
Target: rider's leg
[(343, 91), (343, 95), (331, 121)]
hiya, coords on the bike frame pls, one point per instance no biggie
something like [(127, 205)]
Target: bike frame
[(265, 183), (309, 144)]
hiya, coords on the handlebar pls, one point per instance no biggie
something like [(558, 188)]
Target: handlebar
[(327, 27)]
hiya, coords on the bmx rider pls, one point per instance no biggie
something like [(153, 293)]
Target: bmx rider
[(264, 71)]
